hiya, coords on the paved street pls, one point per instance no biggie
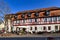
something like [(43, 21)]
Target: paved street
[(31, 35)]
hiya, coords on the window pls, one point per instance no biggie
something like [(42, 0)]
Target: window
[(49, 27), (49, 19), (47, 12), (44, 28), (54, 19), (23, 15), (23, 21), (14, 22), (30, 20), (56, 27), (18, 21), (58, 18), (30, 28), (45, 19), (36, 14), (29, 14), (38, 20), (35, 28), (35, 20), (15, 16)]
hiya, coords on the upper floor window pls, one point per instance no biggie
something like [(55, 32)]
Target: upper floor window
[(49, 19), (38, 19), (18, 21), (54, 19), (45, 19), (35, 19), (15, 22), (58, 18), (30, 20), (23, 21)]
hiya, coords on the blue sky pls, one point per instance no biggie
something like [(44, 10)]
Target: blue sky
[(21, 5)]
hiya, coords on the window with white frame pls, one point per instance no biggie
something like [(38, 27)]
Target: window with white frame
[(45, 19), (38, 19), (58, 18), (23, 21), (33, 20), (49, 27), (49, 19), (18, 21), (54, 19), (30, 20), (15, 22)]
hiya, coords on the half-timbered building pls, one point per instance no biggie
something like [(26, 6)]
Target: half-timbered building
[(39, 20)]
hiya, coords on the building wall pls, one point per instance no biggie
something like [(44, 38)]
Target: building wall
[(53, 12), (2, 26), (40, 28)]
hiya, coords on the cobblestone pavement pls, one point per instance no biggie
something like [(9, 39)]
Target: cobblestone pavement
[(31, 35)]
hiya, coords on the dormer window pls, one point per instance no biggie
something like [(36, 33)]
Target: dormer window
[(47, 12), (36, 14), (15, 16), (23, 15), (29, 15), (10, 16)]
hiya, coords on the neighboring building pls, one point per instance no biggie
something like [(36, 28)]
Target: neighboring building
[(1, 26), (39, 20)]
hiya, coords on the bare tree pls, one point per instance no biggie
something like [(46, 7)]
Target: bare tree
[(4, 9)]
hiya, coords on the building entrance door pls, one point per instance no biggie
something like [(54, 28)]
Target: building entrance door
[(24, 29)]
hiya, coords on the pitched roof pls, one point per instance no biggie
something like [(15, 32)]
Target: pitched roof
[(36, 10)]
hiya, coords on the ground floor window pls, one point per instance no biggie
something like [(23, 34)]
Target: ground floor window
[(35, 28), (59, 27), (24, 29), (49, 27), (56, 27), (44, 28), (7, 27), (30, 28)]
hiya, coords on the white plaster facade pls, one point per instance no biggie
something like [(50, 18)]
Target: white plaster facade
[(1, 25), (40, 28)]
